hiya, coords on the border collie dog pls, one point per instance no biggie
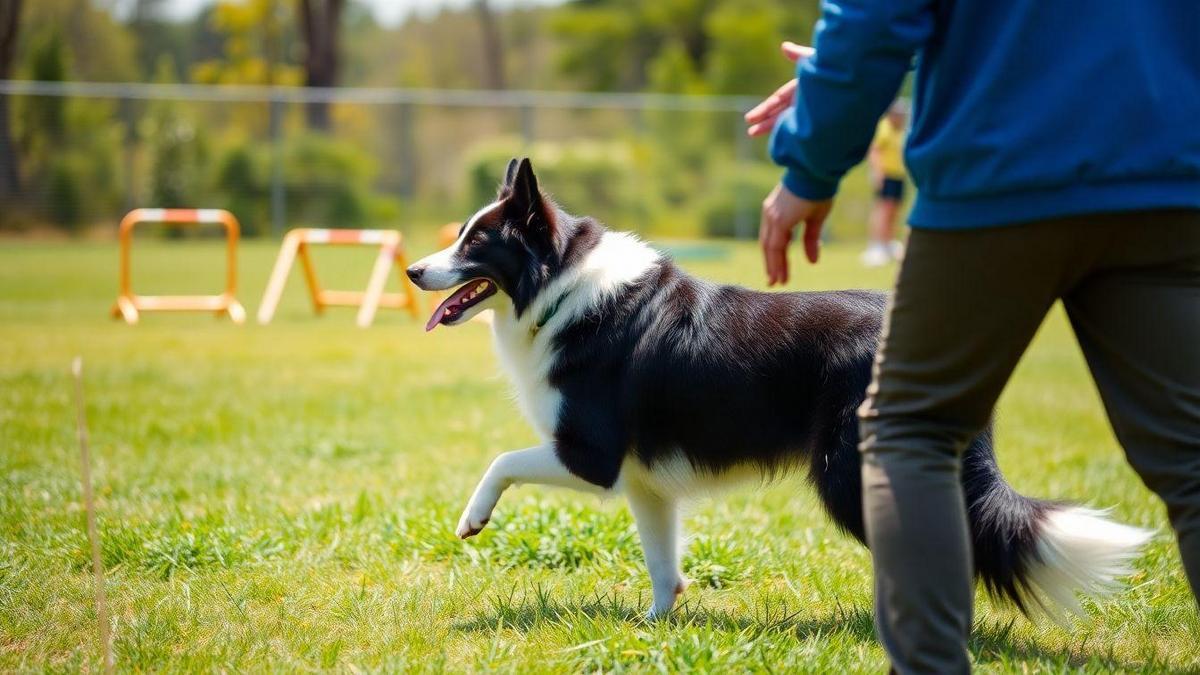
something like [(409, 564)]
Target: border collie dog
[(645, 381)]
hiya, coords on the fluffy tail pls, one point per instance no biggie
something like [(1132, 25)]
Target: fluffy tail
[(1043, 555)]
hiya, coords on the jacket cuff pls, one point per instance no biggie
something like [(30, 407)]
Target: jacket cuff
[(807, 186)]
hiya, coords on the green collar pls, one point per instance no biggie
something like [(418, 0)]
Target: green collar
[(548, 313)]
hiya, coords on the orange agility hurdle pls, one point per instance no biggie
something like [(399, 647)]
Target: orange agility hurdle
[(129, 304), (391, 254)]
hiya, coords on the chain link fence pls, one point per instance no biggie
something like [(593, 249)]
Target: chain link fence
[(79, 155)]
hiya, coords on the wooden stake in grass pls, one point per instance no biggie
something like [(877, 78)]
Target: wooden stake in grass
[(89, 504)]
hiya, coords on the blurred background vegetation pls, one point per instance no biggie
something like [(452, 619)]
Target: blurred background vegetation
[(651, 164)]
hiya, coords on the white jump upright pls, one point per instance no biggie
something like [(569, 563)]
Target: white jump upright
[(391, 254)]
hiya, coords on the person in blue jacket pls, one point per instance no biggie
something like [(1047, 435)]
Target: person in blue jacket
[(1055, 147)]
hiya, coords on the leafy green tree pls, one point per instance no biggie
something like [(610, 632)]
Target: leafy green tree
[(320, 27), (156, 37), (45, 115), (744, 39), (604, 45), (178, 149), (611, 45), (178, 155), (672, 71), (607, 44), (493, 45), (100, 48), (254, 35), (68, 148)]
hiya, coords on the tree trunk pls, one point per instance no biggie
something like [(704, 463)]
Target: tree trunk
[(10, 170), (319, 22), (493, 47)]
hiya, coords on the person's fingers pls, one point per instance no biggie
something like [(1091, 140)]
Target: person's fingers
[(812, 241), (769, 263), (765, 240), (795, 52), (777, 262), (775, 240), (780, 99), (812, 233), (781, 266), (761, 117), (781, 260), (768, 257), (761, 111), (762, 128)]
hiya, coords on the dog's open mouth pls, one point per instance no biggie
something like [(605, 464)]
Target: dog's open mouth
[(452, 308)]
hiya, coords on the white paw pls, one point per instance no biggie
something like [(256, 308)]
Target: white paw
[(662, 606), (472, 521), (657, 612)]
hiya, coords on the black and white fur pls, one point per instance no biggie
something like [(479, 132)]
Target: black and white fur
[(644, 381)]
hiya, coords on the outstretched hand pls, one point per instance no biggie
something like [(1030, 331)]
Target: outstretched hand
[(761, 119), (782, 211)]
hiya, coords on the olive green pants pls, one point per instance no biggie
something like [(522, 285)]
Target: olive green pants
[(966, 306)]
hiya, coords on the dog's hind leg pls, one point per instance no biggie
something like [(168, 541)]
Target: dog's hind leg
[(658, 526), (539, 465)]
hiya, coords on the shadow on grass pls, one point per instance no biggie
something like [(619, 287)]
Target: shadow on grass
[(530, 609), (994, 643), (989, 644)]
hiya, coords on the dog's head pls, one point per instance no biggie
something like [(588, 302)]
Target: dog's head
[(507, 250)]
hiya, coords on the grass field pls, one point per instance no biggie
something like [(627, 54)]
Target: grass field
[(283, 498)]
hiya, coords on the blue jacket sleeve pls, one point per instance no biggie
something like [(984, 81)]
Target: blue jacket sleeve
[(863, 50)]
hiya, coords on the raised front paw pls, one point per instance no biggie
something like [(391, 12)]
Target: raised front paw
[(472, 522)]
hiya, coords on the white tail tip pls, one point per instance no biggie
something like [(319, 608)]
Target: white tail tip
[(1082, 552)]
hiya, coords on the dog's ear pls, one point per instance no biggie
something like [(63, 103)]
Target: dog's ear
[(510, 173), (506, 186), (525, 192), (525, 200), (526, 205)]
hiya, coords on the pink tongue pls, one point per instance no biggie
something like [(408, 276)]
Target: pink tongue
[(454, 299)]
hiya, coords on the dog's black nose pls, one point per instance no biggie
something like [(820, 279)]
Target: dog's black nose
[(415, 272)]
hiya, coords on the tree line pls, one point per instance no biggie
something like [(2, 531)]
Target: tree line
[(671, 46)]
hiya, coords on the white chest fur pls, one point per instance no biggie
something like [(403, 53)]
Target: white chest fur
[(527, 355), (527, 359)]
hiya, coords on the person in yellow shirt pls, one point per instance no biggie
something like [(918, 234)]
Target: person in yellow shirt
[(886, 160)]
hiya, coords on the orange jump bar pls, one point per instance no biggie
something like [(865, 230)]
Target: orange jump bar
[(129, 305)]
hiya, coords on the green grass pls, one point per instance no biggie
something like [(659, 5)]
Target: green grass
[(283, 497)]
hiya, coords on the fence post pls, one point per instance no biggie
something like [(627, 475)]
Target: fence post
[(278, 199)]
